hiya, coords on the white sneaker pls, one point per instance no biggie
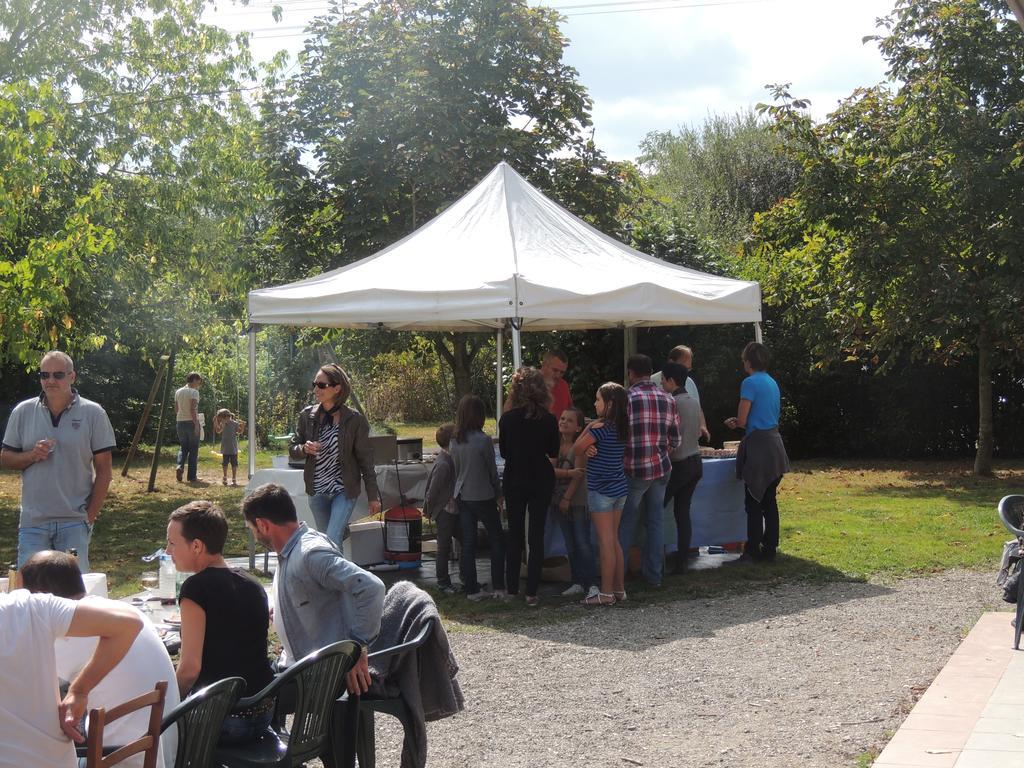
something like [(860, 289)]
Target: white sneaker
[(500, 594), (575, 589), (476, 597)]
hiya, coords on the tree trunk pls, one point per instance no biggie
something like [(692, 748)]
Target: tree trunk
[(983, 459), (459, 357), (460, 368)]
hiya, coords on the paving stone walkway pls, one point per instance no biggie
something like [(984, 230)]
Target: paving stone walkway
[(972, 715)]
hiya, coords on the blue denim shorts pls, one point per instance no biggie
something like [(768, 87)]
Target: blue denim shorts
[(598, 502)]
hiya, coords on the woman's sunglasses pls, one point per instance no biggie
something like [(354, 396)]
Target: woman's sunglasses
[(321, 385), (58, 375)]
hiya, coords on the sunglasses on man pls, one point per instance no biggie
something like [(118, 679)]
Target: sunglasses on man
[(58, 375), (322, 385)]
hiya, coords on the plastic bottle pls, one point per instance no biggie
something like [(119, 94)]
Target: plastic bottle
[(179, 579), (168, 578), (13, 577)]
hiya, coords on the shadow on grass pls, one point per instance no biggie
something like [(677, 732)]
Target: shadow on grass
[(928, 475), (713, 597)]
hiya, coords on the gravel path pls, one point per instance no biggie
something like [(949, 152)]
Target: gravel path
[(799, 675)]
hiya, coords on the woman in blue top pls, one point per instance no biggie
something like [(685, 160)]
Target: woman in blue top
[(761, 460), (604, 443)]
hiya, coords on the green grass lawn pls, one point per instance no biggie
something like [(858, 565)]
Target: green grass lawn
[(840, 520), (426, 431)]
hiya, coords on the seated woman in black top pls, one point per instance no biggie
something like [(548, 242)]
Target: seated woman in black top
[(224, 617)]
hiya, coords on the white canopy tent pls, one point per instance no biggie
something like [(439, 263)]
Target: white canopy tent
[(503, 255)]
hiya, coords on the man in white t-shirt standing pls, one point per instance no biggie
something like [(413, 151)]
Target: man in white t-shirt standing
[(36, 727), (186, 402), (145, 664)]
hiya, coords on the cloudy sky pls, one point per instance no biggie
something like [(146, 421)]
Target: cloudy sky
[(659, 64)]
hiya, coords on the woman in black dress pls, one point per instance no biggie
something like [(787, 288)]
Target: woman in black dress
[(528, 440)]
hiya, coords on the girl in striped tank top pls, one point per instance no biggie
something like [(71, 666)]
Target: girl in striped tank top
[(604, 443)]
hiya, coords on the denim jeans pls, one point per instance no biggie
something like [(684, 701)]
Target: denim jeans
[(448, 527), (578, 534), (60, 536), (239, 730), (188, 449), (331, 514), (651, 495), (681, 485), (486, 512)]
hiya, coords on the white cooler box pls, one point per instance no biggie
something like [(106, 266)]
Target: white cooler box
[(365, 543)]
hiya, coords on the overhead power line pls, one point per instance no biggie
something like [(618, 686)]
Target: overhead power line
[(649, 7), (284, 32)]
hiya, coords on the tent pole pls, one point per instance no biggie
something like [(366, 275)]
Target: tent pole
[(252, 401), (499, 389), (625, 355), (757, 333), (628, 349), (517, 347)]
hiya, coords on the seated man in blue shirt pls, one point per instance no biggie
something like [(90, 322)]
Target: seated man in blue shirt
[(319, 596)]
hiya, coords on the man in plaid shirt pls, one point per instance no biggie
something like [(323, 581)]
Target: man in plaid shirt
[(654, 434)]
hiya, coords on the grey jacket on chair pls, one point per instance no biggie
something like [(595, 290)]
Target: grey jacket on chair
[(424, 678)]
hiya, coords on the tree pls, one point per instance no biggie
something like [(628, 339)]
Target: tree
[(905, 234), (718, 176), (131, 182), (402, 107)]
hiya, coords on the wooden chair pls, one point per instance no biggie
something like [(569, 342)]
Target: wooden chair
[(1011, 512), (149, 743), (198, 720), (317, 681)]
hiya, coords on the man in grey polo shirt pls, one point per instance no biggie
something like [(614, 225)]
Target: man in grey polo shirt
[(62, 445)]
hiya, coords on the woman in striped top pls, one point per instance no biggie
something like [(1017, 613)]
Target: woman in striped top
[(334, 442), (604, 442)]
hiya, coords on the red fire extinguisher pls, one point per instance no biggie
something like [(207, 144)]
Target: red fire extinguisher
[(403, 531)]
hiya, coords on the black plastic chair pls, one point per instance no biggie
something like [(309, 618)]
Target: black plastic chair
[(368, 706), (1011, 512), (198, 719), (317, 681)]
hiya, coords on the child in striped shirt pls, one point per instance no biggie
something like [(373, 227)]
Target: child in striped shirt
[(604, 443)]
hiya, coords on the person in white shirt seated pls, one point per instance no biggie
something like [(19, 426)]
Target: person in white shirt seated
[(36, 726), (145, 664)]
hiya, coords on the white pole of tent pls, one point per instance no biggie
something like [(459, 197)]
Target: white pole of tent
[(252, 401), (757, 333), (517, 347), (625, 356), (628, 349), (499, 370)]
